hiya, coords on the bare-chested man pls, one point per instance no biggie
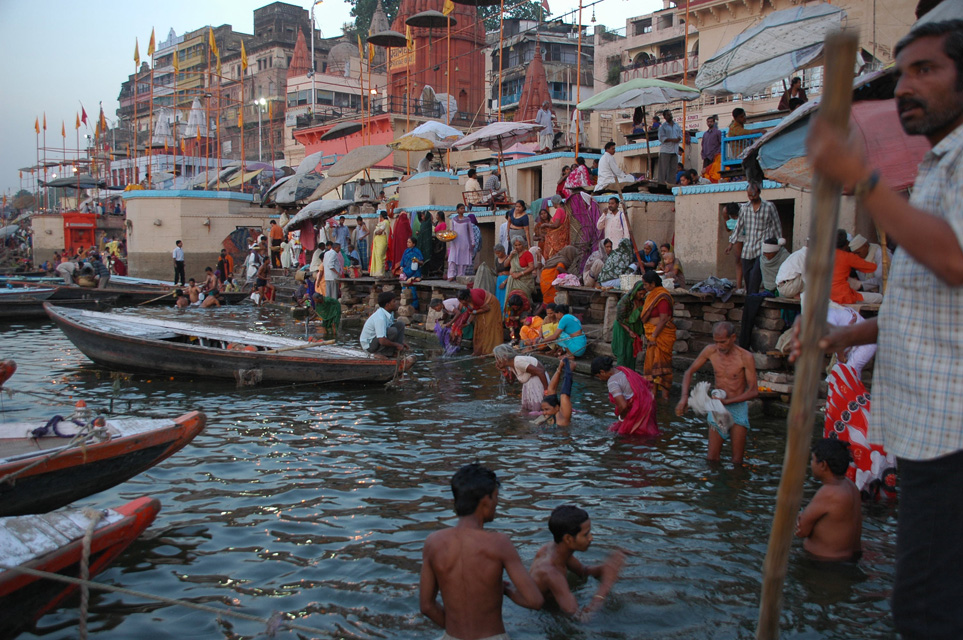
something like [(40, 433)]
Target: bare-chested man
[(193, 291), (466, 563), (832, 523), (181, 301), (572, 531), (211, 300), (735, 373)]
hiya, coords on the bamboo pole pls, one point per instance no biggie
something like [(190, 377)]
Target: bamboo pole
[(501, 53), (150, 127), (824, 216), (578, 80)]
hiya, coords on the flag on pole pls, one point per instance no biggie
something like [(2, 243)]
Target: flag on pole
[(44, 120), (360, 48), (271, 110), (150, 46), (371, 53), (136, 53), (545, 6), (448, 8), (77, 126), (36, 125), (177, 66), (243, 58), (240, 118), (103, 120), (83, 114), (218, 64), (63, 129), (165, 145), (212, 43), (411, 41), (183, 148)]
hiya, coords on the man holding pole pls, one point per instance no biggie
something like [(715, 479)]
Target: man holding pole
[(917, 404)]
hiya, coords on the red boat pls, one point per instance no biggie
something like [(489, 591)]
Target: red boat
[(39, 473), (53, 543)]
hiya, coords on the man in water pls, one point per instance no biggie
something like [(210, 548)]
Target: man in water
[(211, 300), (572, 531), (735, 373), (832, 523), (466, 564)]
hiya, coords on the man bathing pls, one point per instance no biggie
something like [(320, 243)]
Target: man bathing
[(465, 563), (735, 373), (832, 523), (572, 531)]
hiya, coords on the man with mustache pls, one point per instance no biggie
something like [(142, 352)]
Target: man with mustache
[(917, 399)]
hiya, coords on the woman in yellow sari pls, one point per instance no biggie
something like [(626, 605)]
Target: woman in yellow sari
[(656, 318), (379, 246)]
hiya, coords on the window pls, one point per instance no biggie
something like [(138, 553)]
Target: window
[(325, 97), (642, 27)]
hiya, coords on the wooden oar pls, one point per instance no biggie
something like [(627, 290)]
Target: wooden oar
[(299, 346), (141, 304), (840, 51)]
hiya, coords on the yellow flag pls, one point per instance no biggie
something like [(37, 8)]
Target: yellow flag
[(240, 118), (271, 110), (136, 53), (63, 129), (243, 57), (411, 41), (360, 48), (448, 8), (36, 125), (177, 66), (77, 126), (370, 54), (218, 65), (150, 46), (212, 43)]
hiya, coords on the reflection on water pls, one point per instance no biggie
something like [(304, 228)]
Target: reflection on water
[(315, 501)]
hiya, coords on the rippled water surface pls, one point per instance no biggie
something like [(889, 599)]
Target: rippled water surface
[(315, 502)]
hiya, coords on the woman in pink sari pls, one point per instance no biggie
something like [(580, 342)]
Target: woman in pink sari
[(632, 396)]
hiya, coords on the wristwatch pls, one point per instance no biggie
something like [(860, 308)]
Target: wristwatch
[(864, 187)]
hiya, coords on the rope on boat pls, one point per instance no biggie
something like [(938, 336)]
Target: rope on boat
[(269, 623), (81, 438), (94, 516)]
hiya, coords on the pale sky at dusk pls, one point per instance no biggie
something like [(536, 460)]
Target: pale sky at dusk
[(58, 54)]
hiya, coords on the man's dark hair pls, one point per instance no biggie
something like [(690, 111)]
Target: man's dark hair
[(561, 308), (738, 111), (614, 199), (463, 294), (469, 485), (385, 297), (179, 293), (732, 209), (842, 240), (471, 173), (430, 155), (667, 113), (515, 300), (565, 520), (602, 363), (609, 144), (835, 453), (273, 222), (580, 160), (952, 43)]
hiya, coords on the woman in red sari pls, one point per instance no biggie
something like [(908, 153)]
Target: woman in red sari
[(556, 231), (486, 315), (400, 232), (632, 397)]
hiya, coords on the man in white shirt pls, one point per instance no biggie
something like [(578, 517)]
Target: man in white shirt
[(332, 270), (546, 136), (178, 256), (425, 164), (609, 171), (670, 135), (613, 223), (66, 271), (789, 278), (382, 334), (472, 184)]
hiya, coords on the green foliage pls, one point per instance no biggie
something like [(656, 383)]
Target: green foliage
[(527, 11), (362, 11), (614, 75)]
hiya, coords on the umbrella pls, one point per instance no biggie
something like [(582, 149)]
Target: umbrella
[(388, 39), (327, 186), (430, 20), (318, 210), (359, 159), (640, 92), (499, 135), (76, 182), (781, 43), (297, 187), (479, 3), (341, 130), (426, 136), (310, 163)]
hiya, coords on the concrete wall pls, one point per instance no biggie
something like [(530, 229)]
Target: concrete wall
[(700, 231), (48, 233), (201, 219)]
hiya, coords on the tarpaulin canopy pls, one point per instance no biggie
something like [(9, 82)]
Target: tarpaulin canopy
[(783, 42), (638, 92), (318, 210)]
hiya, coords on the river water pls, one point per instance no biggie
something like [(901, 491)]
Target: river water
[(315, 502)]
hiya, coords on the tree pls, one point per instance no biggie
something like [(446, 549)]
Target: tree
[(364, 9), (527, 11)]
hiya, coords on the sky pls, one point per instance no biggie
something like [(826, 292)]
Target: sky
[(61, 54)]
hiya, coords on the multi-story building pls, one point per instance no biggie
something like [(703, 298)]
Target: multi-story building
[(568, 82)]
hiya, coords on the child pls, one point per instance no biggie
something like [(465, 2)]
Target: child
[(572, 531), (531, 330), (832, 523)]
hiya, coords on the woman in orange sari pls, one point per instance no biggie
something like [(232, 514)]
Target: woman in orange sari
[(564, 261), (659, 333), (556, 231), (486, 315)]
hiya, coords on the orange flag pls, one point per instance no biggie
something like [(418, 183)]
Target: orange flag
[(44, 120), (36, 125), (150, 46), (77, 126), (136, 53), (183, 148), (243, 57), (63, 128)]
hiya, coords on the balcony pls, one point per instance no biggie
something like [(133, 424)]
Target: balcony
[(393, 105), (733, 147), (659, 68)]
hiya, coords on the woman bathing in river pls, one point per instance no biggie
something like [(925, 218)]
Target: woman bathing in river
[(557, 403)]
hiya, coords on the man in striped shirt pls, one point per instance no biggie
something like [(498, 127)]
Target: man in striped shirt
[(917, 411), (758, 220)]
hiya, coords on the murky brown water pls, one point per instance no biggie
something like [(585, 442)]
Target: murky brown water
[(315, 502)]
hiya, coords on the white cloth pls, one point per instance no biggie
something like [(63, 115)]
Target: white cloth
[(178, 254), (873, 280), (613, 226), (317, 259), (424, 165), (331, 264), (610, 172), (859, 356), (532, 388), (503, 235), (669, 130), (472, 185), (451, 305), (795, 265)]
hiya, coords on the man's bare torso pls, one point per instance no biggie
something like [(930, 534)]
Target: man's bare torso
[(730, 370)]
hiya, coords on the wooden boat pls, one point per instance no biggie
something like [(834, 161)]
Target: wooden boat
[(131, 343), (26, 293), (14, 307), (48, 474), (54, 543)]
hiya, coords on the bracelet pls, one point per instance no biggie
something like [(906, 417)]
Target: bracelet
[(598, 596), (864, 187)]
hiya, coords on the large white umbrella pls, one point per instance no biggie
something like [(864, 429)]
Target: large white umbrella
[(499, 135), (319, 209), (426, 136), (780, 44), (639, 92)]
